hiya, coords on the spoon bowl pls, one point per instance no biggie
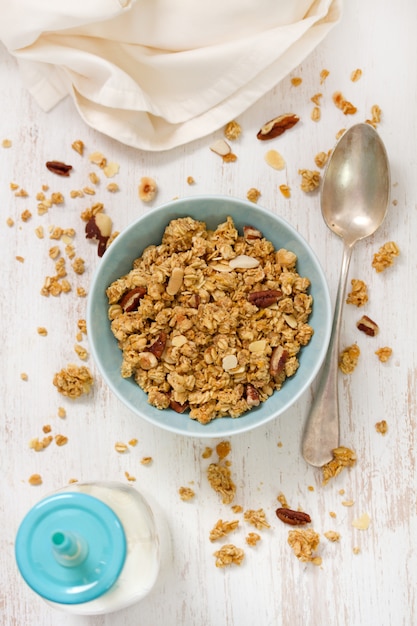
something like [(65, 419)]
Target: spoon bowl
[(354, 201)]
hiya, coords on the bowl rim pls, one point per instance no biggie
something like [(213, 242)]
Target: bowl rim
[(237, 425)]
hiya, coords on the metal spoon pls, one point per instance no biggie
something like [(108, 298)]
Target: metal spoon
[(354, 201)]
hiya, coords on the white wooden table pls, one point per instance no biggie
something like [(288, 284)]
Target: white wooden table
[(378, 584)]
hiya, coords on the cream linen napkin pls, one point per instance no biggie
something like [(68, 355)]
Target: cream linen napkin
[(155, 74)]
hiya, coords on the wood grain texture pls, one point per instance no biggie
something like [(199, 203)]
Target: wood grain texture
[(378, 585)]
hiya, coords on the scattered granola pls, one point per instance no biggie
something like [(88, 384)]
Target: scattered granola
[(256, 518), (229, 555), (323, 75), (316, 114), (220, 479), (207, 452), (296, 81), (285, 190), (358, 294), (78, 146), (223, 449), (207, 296), (146, 460), (385, 256), (321, 159), (61, 440), (73, 381), (42, 331), (253, 194), (310, 180), (304, 542), (120, 447), (344, 105), (348, 359), (356, 75), (35, 480), (232, 130), (342, 457), (252, 539), (186, 493), (221, 529), (375, 116), (384, 354), (381, 427)]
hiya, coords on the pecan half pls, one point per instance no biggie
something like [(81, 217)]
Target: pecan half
[(277, 126), (158, 345), (57, 167), (263, 299), (294, 518), (277, 362), (252, 395), (130, 300), (368, 326)]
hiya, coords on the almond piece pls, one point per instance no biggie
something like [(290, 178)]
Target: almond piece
[(221, 147), (175, 281), (244, 262)]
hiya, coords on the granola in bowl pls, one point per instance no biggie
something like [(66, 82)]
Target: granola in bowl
[(211, 320), (209, 307)]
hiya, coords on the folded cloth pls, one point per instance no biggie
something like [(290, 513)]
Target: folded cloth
[(155, 74)]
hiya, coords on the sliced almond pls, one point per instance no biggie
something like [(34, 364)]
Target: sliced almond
[(229, 362), (244, 262), (221, 147), (178, 341), (175, 281), (275, 160), (257, 346)]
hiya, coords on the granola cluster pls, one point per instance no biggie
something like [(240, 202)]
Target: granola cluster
[(210, 321)]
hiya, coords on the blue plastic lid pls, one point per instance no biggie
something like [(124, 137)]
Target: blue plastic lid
[(70, 548)]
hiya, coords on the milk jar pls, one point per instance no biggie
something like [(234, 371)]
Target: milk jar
[(91, 548)]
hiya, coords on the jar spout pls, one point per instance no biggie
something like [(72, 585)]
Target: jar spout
[(69, 549)]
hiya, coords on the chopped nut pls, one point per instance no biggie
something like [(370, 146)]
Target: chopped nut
[(368, 326), (277, 126), (99, 228), (186, 493), (381, 427), (384, 354), (147, 189), (130, 300), (251, 234), (348, 359), (228, 555), (265, 298)]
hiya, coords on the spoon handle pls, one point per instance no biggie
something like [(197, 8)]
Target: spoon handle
[(321, 434)]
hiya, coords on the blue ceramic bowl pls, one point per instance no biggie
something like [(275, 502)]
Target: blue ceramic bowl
[(147, 230)]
